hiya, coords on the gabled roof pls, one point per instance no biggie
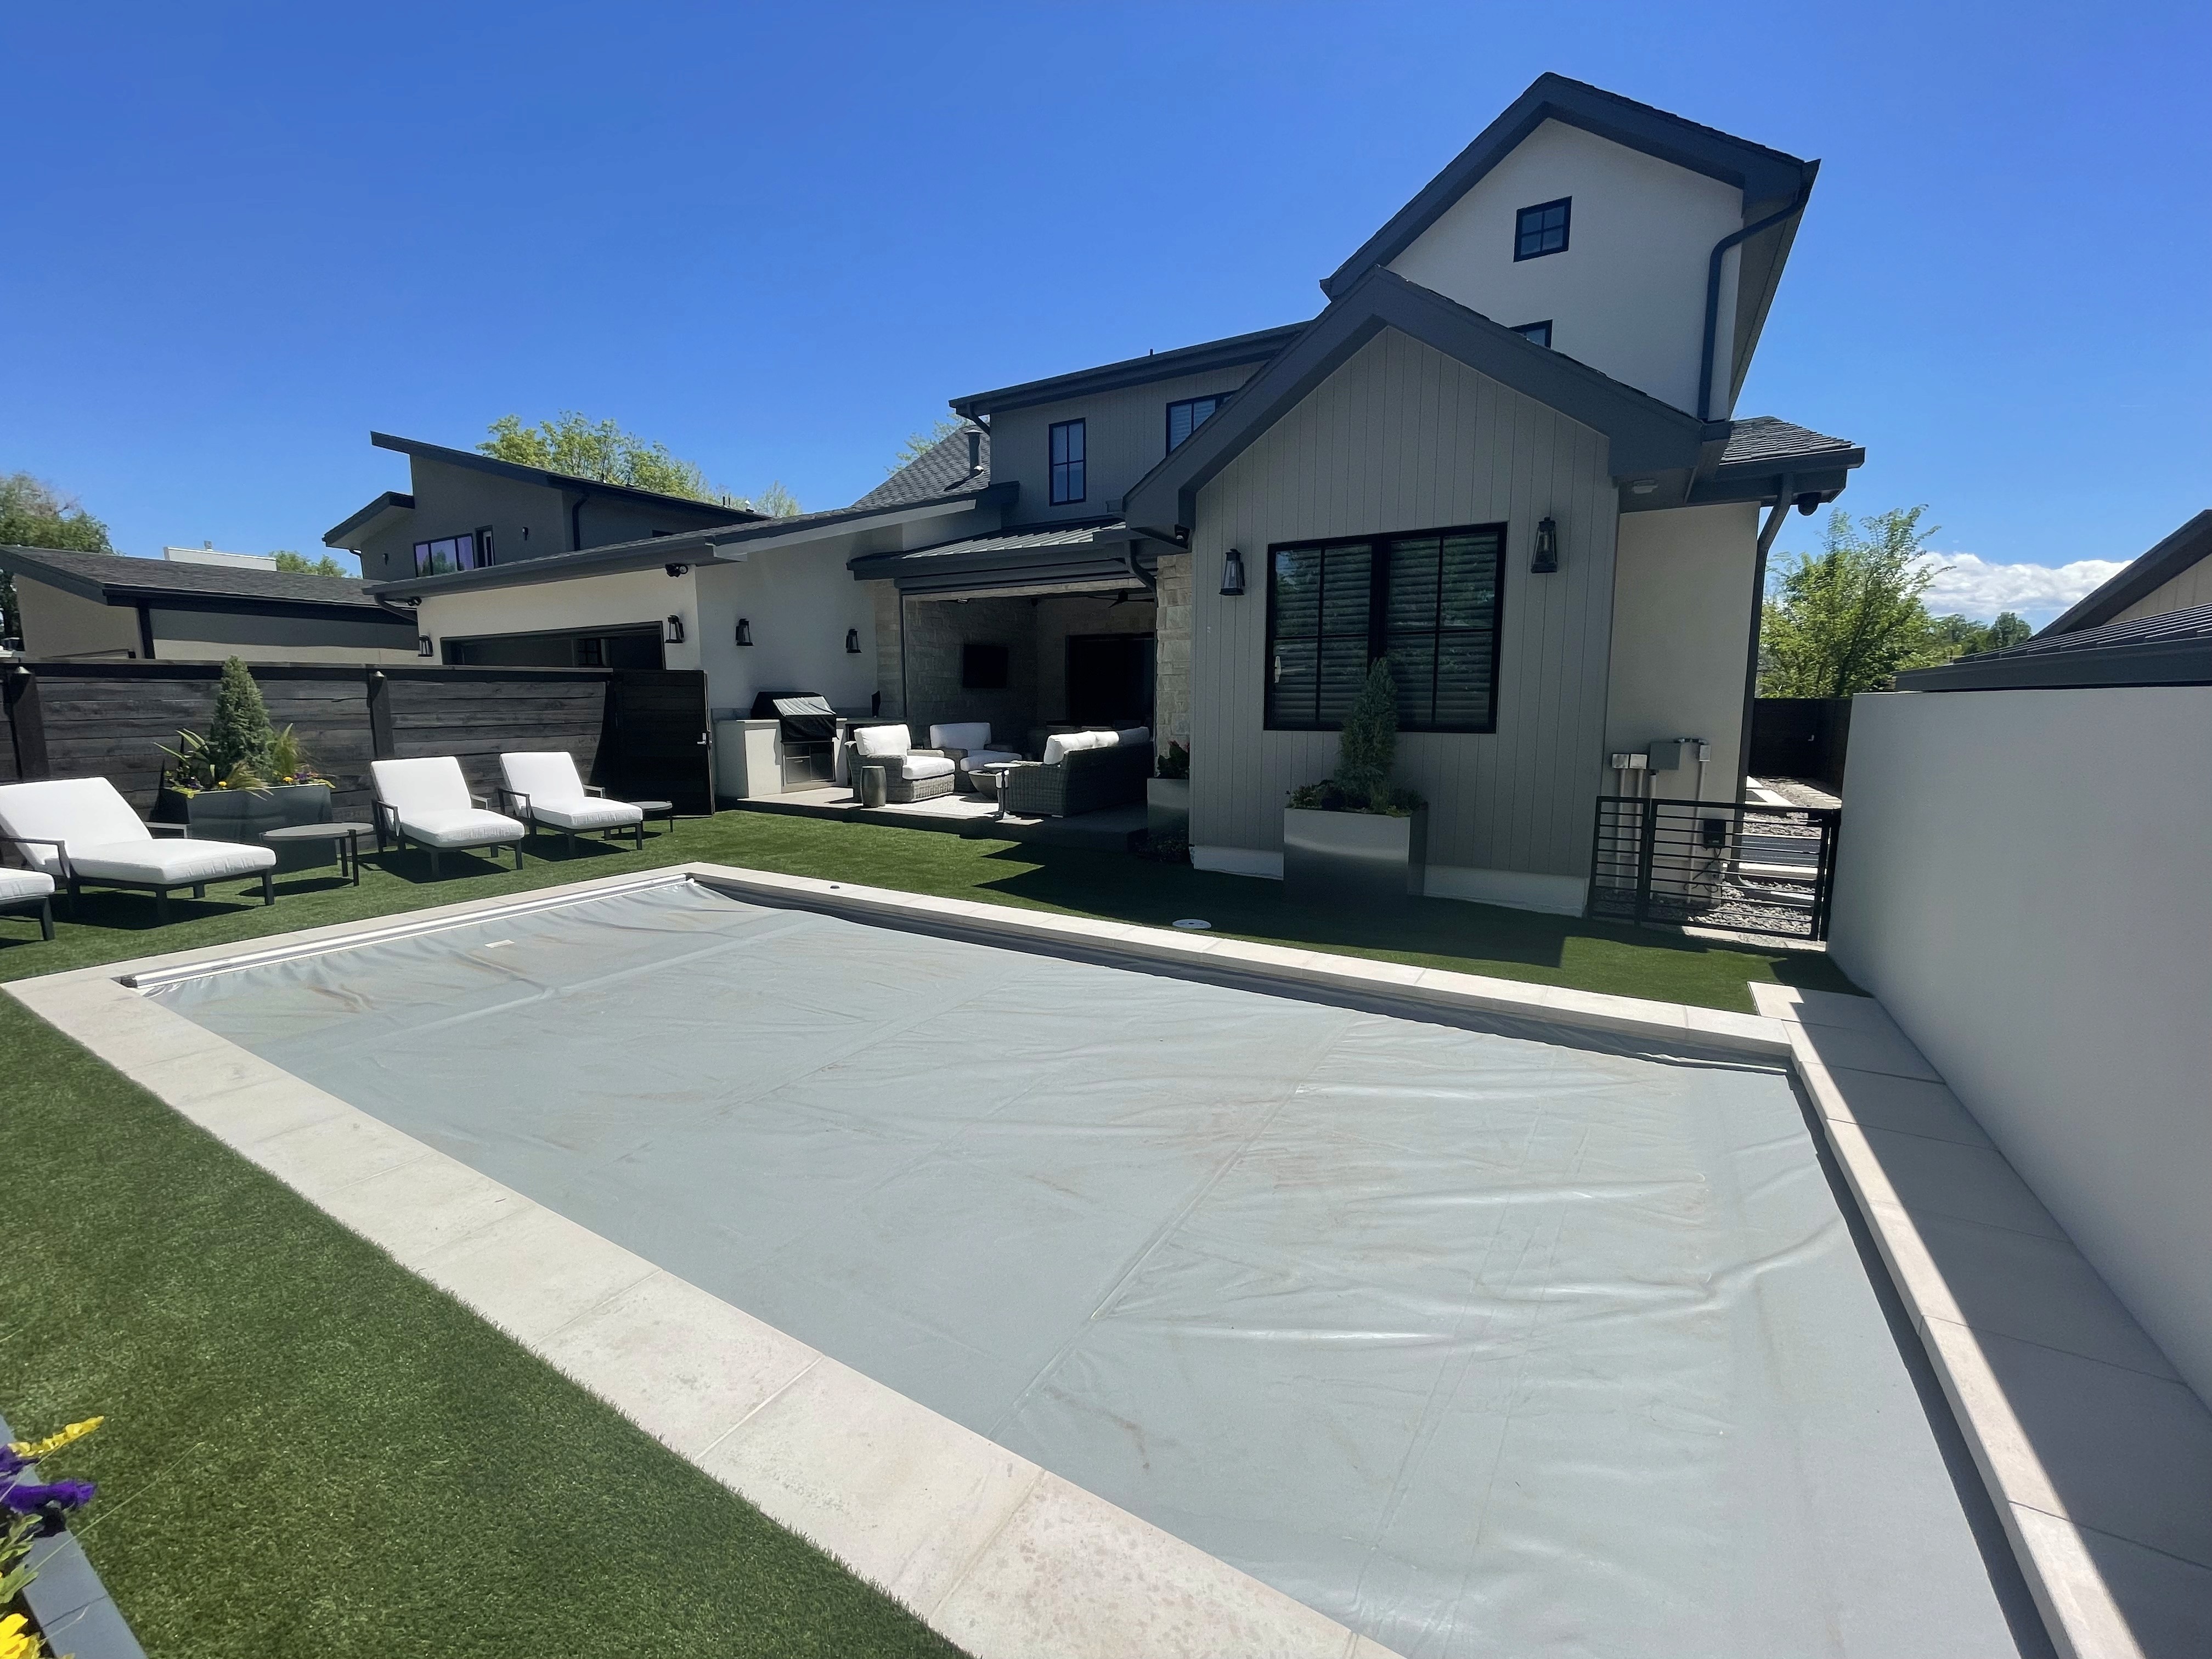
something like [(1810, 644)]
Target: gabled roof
[(116, 578), (1203, 359), (2187, 546), (940, 469), (2174, 649), (705, 512), (1647, 435)]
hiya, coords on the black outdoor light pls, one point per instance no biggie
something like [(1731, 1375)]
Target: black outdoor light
[(852, 641), (423, 647), (673, 633), (1232, 576), (1545, 559), (744, 632)]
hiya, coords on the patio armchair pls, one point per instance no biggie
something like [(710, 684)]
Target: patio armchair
[(428, 800), (542, 786), (1081, 772), (967, 746), (31, 891), (909, 774), (82, 833)]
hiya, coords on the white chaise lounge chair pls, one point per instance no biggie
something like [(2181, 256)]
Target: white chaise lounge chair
[(31, 891), (83, 834), (428, 801), (542, 786)]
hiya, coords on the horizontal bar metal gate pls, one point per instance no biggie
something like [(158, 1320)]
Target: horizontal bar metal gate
[(1714, 864)]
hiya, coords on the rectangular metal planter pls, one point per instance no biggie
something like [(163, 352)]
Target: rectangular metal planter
[(241, 815), (1167, 806), (1354, 857)]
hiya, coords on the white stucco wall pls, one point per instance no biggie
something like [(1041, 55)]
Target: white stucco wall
[(800, 602), (1681, 627), (2023, 882), (624, 597), (1628, 296)]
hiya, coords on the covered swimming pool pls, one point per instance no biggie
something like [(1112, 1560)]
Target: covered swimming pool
[(1478, 1340)]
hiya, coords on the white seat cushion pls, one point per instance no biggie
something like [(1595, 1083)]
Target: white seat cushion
[(586, 813), (915, 768), (977, 758), (548, 776), (80, 811), (878, 743), (169, 863), (1058, 746), (431, 784), (18, 885), (459, 827), (963, 735)]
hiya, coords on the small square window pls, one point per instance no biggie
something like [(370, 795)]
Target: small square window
[(1186, 417), (1541, 229), (1536, 333), (1066, 463)]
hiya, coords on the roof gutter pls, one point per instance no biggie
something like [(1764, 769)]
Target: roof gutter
[(1713, 289)]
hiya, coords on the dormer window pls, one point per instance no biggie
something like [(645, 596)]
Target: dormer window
[(1536, 333), (1541, 229)]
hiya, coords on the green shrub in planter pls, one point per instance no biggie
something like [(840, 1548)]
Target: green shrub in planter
[(1367, 751)]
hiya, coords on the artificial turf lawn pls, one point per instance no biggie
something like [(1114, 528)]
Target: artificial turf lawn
[(311, 1451)]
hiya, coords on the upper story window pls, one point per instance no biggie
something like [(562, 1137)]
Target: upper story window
[(1067, 462), (1538, 333), (472, 551), (1186, 417), (1541, 229), (1430, 601)]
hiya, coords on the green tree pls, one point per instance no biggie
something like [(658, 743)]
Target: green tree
[(238, 734), (34, 513), (918, 444), (777, 502), (301, 565), (1847, 618), (1367, 748), (2007, 630), (1951, 637), (601, 450)]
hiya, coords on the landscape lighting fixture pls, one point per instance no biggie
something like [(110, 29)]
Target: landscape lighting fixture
[(1232, 576), (744, 632), (1546, 560)]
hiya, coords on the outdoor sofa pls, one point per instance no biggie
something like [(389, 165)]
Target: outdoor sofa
[(909, 774), (82, 833), (31, 891), (969, 745), (1081, 772), (542, 786), (428, 801)]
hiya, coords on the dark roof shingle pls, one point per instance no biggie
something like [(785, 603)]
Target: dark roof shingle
[(1757, 438), (937, 471), (120, 572)]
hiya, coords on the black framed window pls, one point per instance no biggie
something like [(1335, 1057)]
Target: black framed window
[(1431, 601), (1186, 417), (1541, 229), (450, 553), (1540, 333), (1066, 459)]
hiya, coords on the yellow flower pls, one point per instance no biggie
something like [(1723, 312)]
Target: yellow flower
[(16, 1641), (35, 1449)]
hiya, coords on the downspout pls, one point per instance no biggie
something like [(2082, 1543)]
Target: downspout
[(1766, 534), (1713, 291)]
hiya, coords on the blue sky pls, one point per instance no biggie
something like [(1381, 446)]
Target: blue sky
[(778, 241)]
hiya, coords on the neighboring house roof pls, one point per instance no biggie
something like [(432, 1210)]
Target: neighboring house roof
[(2174, 649), (1769, 178), (1041, 554), (2188, 546), (1202, 359), (941, 470), (114, 578)]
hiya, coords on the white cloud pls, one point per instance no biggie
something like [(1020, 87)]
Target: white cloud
[(1972, 586)]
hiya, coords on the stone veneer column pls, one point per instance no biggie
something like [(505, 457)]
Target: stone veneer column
[(1171, 637), (889, 681)]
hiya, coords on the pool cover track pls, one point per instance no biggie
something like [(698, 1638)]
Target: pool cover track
[(1255, 1301)]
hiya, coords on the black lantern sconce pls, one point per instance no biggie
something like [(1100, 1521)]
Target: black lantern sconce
[(851, 641), (673, 634), (1232, 576), (423, 647), (744, 632), (1545, 559)]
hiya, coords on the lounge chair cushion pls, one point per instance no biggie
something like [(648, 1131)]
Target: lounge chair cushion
[(469, 826), (914, 767), (586, 813), (548, 776), (168, 863), (413, 787), (878, 743), (17, 885), (976, 759), (80, 811), (963, 735)]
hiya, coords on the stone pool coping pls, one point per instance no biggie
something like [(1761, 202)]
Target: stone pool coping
[(996, 1554)]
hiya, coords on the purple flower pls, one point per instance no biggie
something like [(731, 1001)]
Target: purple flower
[(26, 1498), (10, 1460)]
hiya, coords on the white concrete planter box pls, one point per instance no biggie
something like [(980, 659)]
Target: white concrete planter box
[(1356, 857), (1167, 806)]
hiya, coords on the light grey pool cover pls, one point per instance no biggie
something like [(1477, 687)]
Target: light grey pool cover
[(1480, 1343)]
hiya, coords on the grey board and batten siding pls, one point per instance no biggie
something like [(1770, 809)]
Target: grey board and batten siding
[(1402, 437), (633, 731)]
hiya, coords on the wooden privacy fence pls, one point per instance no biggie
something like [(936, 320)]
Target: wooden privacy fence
[(1807, 738), (641, 733)]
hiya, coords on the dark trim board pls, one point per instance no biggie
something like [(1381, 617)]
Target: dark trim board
[(1231, 353)]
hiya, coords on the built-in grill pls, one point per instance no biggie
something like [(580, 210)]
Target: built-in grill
[(806, 735)]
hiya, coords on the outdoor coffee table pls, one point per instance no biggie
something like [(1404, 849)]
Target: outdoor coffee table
[(658, 809), (991, 779), (348, 837)]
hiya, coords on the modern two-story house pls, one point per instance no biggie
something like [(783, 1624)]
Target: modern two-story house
[(1504, 454)]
